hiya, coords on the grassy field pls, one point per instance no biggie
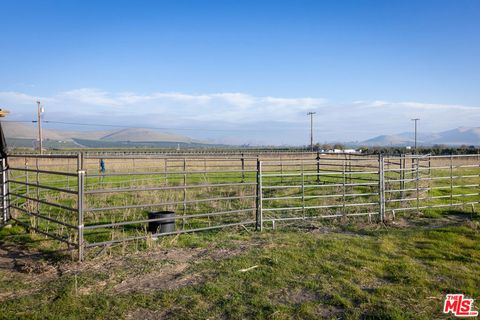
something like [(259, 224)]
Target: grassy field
[(338, 269), (218, 184)]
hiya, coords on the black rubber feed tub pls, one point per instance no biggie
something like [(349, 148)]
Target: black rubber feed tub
[(163, 226)]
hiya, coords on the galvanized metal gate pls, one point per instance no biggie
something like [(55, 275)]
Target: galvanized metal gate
[(67, 198), (326, 187), (332, 187)]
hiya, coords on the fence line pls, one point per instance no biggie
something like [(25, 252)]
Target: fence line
[(72, 200)]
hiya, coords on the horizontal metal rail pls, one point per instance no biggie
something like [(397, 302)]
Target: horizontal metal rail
[(434, 197), (113, 174), (314, 165), (322, 207), (181, 187), (177, 217), (338, 215), (328, 185), (435, 178), (70, 174), (137, 206), (44, 156), (163, 157), (322, 196), (44, 202), (433, 206), (434, 188), (433, 168), (97, 244), (71, 226), (367, 159), (316, 173), (409, 156), (43, 186), (48, 234)]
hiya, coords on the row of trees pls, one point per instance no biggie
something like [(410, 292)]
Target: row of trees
[(434, 150)]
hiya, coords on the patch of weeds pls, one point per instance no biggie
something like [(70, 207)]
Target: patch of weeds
[(404, 271)]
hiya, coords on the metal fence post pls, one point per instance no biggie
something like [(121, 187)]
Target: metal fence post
[(4, 191), (402, 176), (281, 170), (243, 168), (81, 189), (318, 167), (381, 186), (184, 192), (451, 180), (26, 177), (259, 213), (417, 186), (344, 191), (166, 170), (303, 191)]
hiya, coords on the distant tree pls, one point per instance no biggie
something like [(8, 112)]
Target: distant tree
[(326, 146), (363, 149), (339, 146)]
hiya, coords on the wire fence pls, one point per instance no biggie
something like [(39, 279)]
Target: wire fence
[(97, 200)]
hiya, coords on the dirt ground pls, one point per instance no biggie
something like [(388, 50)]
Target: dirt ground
[(156, 269)]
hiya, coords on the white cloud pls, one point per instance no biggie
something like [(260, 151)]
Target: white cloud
[(280, 119), (90, 97), (8, 98), (415, 105)]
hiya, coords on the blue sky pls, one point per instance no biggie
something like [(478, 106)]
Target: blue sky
[(249, 69)]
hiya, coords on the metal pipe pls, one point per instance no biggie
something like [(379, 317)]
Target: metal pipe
[(137, 206), (213, 185), (190, 216), (96, 244), (45, 171), (80, 205), (43, 201), (71, 226), (43, 187)]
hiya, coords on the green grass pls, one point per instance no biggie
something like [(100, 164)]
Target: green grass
[(352, 271), (158, 198)]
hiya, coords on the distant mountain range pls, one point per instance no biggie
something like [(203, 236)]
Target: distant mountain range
[(24, 135), (459, 136)]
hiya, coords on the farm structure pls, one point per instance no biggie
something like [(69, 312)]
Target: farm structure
[(97, 200)]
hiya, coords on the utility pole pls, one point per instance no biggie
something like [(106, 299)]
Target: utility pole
[(311, 129), (39, 113), (416, 120)]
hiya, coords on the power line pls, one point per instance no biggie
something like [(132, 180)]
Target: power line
[(146, 127), (124, 126), (20, 121)]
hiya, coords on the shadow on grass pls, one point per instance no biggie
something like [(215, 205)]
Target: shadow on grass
[(16, 244)]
